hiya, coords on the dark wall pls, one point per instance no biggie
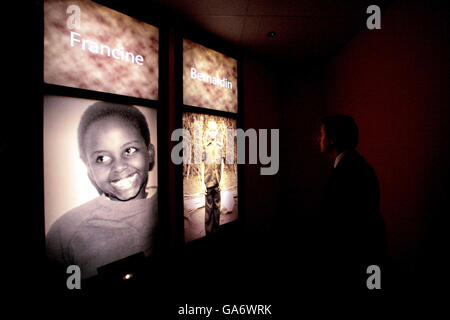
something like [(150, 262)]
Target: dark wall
[(261, 104), (394, 82)]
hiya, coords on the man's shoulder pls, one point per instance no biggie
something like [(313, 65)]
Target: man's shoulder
[(352, 159), (354, 165)]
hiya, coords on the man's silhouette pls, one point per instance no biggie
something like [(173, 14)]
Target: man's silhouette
[(354, 234)]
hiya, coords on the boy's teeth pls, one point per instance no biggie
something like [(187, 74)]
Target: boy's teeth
[(125, 183)]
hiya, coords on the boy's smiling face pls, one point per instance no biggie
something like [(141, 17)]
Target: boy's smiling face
[(117, 158)]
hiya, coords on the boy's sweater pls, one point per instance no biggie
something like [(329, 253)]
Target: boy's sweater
[(102, 231)]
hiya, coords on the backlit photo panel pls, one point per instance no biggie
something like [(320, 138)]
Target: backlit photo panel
[(209, 78), (92, 47), (100, 181), (210, 179)]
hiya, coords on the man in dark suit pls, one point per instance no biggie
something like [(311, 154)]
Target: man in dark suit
[(354, 235)]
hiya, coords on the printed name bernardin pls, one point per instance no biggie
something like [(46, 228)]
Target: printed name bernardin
[(226, 309)]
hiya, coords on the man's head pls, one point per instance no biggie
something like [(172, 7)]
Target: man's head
[(339, 133), (114, 143)]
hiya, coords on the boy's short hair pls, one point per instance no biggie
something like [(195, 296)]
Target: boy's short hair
[(342, 129), (101, 110)]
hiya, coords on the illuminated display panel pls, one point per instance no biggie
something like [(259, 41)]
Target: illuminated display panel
[(210, 149), (209, 78), (92, 47), (85, 223)]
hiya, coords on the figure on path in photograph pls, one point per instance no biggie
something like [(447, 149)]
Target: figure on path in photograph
[(212, 176)]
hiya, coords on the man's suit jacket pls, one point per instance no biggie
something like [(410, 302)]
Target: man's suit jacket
[(353, 229)]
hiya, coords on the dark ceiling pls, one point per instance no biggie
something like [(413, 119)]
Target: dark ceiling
[(305, 29)]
